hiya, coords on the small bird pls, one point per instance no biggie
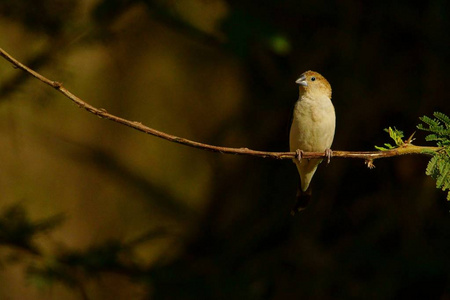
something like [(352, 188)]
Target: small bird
[(312, 130)]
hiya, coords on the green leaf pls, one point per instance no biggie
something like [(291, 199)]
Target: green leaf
[(431, 167), (381, 148), (395, 135), (439, 128), (439, 169), (443, 169), (439, 165), (429, 121), (444, 118)]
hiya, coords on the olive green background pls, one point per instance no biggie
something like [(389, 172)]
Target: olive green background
[(223, 73)]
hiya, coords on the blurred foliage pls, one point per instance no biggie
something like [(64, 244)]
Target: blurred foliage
[(379, 234), (44, 268), (49, 17), (17, 230)]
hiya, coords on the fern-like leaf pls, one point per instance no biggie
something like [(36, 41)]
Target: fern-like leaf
[(439, 169), (443, 117), (431, 167), (439, 166), (439, 128), (430, 122)]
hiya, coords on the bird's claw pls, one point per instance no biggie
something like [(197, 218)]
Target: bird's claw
[(299, 154), (328, 154)]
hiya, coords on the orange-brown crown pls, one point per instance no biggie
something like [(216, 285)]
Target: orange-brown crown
[(313, 82)]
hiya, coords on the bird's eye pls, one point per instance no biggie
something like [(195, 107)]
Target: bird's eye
[(313, 78)]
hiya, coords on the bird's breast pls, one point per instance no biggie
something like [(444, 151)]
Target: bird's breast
[(313, 124)]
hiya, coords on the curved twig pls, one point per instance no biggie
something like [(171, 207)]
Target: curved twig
[(368, 156)]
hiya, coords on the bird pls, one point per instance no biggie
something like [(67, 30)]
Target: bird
[(312, 130)]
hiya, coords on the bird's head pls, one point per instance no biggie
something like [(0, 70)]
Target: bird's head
[(312, 83)]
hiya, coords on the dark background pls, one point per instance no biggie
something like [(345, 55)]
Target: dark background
[(144, 218)]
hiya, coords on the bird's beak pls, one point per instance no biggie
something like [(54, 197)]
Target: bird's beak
[(302, 81)]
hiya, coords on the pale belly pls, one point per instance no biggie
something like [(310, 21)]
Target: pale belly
[(312, 130)]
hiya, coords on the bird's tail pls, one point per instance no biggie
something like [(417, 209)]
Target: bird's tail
[(303, 198)]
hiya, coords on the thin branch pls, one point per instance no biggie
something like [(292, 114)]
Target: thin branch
[(369, 156)]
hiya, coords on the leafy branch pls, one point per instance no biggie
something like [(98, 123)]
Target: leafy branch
[(439, 165)]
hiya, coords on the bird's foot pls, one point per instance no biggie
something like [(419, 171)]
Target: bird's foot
[(328, 154), (299, 154)]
